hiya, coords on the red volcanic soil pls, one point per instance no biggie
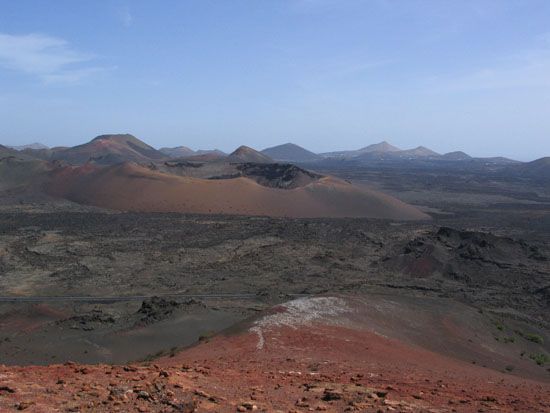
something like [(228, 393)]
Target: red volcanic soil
[(130, 187), (306, 356)]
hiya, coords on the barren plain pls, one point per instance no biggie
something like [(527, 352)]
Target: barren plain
[(86, 285)]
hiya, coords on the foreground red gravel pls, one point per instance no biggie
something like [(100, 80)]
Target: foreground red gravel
[(278, 366)]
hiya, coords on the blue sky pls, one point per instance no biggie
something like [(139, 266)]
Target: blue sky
[(326, 74)]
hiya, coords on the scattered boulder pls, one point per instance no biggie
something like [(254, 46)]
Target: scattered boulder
[(332, 394), (275, 175), (158, 308), (457, 254), (89, 321), (6, 389)]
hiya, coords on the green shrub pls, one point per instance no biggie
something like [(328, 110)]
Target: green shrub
[(535, 338), (541, 359)]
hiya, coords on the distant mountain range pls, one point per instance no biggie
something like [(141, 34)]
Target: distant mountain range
[(104, 149), (115, 148), (379, 148), (35, 146), (185, 152), (8, 152), (121, 172), (384, 151)]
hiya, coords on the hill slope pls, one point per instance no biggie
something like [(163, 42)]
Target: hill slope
[(6, 152), (376, 148), (130, 187), (380, 147), (418, 152), (245, 154), (539, 168), (22, 172), (110, 149), (456, 156), (289, 152), (177, 152), (333, 354)]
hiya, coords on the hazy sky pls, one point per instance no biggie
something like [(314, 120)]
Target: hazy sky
[(326, 74)]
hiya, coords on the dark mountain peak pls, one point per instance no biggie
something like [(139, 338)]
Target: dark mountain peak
[(456, 156), (246, 154), (123, 139), (114, 137), (290, 152), (420, 151), (242, 150), (383, 146), (177, 152)]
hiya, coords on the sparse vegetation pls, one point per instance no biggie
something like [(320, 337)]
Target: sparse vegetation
[(505, 340), (535, 338), (541, 359)]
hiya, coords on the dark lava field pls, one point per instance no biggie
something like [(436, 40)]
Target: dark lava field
[(166, 281)]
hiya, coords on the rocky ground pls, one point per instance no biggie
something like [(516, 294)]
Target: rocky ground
[(104, 254), (488, 252), (308, 355)]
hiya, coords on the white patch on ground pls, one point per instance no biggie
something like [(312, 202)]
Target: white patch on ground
[(261, 340), (301, 312)]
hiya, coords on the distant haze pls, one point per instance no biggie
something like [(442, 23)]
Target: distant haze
[(328, 75)]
